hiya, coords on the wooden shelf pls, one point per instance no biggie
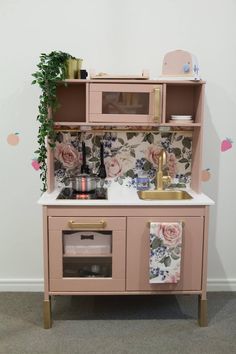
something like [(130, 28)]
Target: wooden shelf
[(135, 81), (108, 255), (87, 124), (56, 124), (181, 124)]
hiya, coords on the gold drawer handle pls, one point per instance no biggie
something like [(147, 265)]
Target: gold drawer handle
[(87, 225), (157, 99)]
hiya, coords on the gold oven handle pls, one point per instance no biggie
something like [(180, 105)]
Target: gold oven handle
[(157, 105), (87, 225)]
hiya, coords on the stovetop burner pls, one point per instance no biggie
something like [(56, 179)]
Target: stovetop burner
[(69, 193)]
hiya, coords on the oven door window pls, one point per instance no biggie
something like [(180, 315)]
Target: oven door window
[(87, 254)]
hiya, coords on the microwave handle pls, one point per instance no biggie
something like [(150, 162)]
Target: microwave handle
[(157, 105)]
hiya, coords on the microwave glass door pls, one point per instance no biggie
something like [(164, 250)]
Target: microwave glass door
[(125, 103)]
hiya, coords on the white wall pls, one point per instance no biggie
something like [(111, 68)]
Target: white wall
[(119, 37)]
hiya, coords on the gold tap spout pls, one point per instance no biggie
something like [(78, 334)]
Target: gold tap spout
[(159, 177)]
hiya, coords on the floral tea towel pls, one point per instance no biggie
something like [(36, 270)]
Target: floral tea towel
[(165, 252)]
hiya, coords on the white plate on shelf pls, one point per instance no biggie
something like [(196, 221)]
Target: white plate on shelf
[(181, 121), (175, 117)]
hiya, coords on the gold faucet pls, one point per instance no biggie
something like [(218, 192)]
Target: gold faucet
[(162, 180)]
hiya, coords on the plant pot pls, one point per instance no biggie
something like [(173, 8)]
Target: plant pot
[(73, 68)]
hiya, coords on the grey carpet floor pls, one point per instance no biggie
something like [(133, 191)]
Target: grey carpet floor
[(117, 325)]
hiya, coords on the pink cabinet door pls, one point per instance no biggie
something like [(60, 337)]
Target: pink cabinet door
[(138, 254), (86, 254), (125, 103)]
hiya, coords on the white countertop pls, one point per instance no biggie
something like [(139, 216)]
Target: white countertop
[(123, 196)]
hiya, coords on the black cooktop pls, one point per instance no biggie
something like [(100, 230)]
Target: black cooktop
[(69, 193)]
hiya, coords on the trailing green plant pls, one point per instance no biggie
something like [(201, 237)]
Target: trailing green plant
[(51, 69)]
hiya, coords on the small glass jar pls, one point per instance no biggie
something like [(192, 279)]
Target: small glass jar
[(142, 183)]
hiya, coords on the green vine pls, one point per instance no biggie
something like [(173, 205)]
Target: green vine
[(51, 69)]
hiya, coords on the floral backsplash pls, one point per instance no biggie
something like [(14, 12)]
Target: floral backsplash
[(126, 154)]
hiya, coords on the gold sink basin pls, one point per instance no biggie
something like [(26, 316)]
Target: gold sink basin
[(164, 195)]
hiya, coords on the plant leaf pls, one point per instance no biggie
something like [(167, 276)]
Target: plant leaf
[(147, 165), (167, 261), (120, 180), (187, 142), (130, 173), (121, 141), (183, 160), (178, 138), (187, 165), (130, 135), (149, 138), (132, 152), (157, 242), (177, 152)]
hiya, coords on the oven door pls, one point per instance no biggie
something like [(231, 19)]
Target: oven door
[(86, 254)]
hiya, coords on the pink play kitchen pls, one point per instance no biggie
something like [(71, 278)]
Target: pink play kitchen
[(124, 212)]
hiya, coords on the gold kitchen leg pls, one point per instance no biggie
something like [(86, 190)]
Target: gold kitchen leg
[(47, 314), (202, 312)]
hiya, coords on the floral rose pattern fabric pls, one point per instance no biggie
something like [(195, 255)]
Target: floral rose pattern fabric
[(126, 154), (67, 155), (165, 252)]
